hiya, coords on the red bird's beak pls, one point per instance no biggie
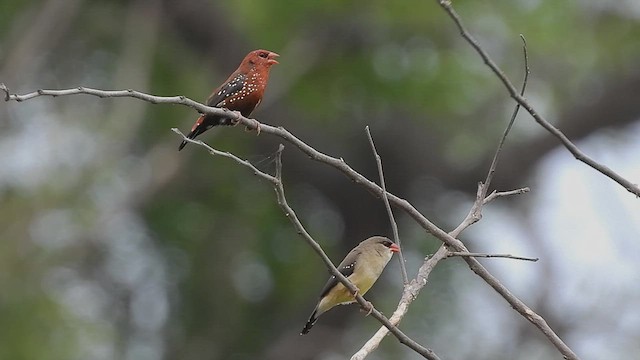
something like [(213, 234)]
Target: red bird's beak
[(271, 59), (394, 248)]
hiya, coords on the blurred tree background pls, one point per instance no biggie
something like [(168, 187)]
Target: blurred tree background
[(115, 246)]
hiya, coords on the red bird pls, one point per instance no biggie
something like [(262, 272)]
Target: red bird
[(242, 91)]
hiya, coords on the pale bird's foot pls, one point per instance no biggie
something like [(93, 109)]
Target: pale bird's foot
[(368, 308)]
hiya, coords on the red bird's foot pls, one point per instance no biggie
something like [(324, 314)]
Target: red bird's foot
[(235, 122), (257, 127)]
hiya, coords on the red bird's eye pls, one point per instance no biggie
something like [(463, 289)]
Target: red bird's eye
[(263, 55)]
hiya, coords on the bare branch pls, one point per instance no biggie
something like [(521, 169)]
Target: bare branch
[(229, 155), (385, 198), (339, 164), (524, 310), (475, 213), (496, 194), (174, 100), (573, 149), (496, 156), (485, 255), (291, 215), (411, 292)]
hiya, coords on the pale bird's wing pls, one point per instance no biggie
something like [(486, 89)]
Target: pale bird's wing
[(346, 268)]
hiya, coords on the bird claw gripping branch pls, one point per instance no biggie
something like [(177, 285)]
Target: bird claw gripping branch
[(256, 123), (368, 309)]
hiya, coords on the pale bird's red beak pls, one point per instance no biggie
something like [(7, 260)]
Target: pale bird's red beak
[(272, 58), (394, 248)]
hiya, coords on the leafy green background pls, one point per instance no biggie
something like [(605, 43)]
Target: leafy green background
[(115, 246)]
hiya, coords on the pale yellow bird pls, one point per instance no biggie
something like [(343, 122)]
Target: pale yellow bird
[(362, 266)]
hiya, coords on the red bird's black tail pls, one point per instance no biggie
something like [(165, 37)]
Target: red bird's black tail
[(203, 124), (192, 135)]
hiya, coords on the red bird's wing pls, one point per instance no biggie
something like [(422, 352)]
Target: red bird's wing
[(231, 87)]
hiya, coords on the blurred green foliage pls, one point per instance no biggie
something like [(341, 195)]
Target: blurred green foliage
[(114, 246)]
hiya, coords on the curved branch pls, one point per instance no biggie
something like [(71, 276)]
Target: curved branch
[(339, 164)]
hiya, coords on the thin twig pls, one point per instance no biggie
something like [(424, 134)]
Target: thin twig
[(573, 149), (496, 194), (300, 229), (475, 213), (485, 255), (385, 199), (496, 156), (229, 155)]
